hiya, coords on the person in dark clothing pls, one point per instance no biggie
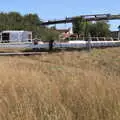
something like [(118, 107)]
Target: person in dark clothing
[(51, 45)]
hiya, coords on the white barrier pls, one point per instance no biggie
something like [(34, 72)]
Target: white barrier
[(82, 44)]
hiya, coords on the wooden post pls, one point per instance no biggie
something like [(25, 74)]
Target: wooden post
[(89, 42)]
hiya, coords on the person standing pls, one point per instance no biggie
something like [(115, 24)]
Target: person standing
[(51, 44)]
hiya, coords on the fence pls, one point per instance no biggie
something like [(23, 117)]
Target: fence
[(94, 38), (70, 44)]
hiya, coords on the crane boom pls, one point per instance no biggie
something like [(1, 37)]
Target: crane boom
[(96, 17)]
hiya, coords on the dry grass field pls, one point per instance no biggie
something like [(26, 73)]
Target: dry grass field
[(61, 86)]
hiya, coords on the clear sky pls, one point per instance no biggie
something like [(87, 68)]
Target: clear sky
[(55, 9)]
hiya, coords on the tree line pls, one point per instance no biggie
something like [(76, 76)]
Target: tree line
[(95, 29), (30, 22)]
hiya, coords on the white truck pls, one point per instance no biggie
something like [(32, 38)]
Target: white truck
[(15, 36)]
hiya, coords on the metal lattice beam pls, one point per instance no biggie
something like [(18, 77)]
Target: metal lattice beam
[(96, 17)]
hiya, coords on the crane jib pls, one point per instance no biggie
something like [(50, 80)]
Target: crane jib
[(96, 17)]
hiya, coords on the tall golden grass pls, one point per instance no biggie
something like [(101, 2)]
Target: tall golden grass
[(61, 86)]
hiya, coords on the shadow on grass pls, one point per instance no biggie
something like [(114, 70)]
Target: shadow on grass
[(54, 50), (57, 50)]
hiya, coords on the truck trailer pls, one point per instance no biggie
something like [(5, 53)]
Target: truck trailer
[(15, 36)]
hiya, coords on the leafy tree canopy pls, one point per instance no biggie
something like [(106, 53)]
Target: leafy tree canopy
[(97, 29), (30, 22)]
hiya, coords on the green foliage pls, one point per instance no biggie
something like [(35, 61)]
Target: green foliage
[(53, 27), (30, 22), (97, 29), (101, 29), (79, 25), (119, 27)]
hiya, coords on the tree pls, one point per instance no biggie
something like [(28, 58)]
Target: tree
[(30, 22), (102, 29), (15, 20), (119, 27), (32, 19), (97, 29), (79, 25), (53, 27)]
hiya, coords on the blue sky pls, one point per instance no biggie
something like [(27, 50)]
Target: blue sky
[(51, 9)]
